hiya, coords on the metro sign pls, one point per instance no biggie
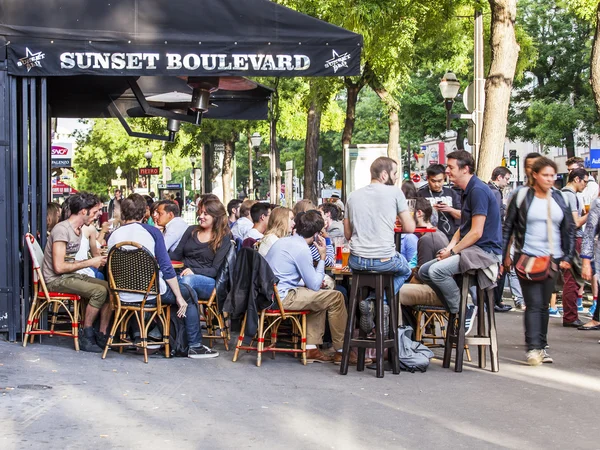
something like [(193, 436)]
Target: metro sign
[(149, 170)]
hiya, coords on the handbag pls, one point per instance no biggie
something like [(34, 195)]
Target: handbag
[(537, 268)]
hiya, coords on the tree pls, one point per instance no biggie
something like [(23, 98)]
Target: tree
[(498, 85)]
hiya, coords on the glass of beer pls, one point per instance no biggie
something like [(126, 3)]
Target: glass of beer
[(587, 207), (345, 256)]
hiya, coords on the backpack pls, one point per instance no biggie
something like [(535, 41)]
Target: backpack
[(177, 335), (414, 356)]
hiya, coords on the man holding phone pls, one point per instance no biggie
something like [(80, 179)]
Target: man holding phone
[(445, 201)]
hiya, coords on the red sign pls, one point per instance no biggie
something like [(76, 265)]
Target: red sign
[(57, 150), (416, 178), (149, 171)]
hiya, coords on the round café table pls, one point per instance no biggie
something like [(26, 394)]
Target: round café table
[(399, 233)]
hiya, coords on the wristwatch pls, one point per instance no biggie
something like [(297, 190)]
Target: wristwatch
[(452, 252)]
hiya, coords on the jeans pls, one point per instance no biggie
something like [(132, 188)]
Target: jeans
[(571, 291), (397, 264), (192, 317), (202, 285), (515, 286), (537, 298), (439, 275)]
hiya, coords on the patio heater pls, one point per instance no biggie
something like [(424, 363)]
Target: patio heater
[(148, 156)]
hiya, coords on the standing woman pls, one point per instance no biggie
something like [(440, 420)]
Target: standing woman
[(532, 212), (204, 247)]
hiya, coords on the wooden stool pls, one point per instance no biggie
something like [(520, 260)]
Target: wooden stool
[(456, 327), (381, 282)]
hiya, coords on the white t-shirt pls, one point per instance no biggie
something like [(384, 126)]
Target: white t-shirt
[(254, 234), (372, 211), (241, 227)]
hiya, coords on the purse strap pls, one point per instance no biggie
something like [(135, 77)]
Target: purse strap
[(549, 222)]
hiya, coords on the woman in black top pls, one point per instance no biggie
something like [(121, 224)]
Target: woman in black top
[(203, 248)]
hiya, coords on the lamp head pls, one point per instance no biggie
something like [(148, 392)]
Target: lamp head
[(193, 160), (449, 86), (148, 155), (256, 139)]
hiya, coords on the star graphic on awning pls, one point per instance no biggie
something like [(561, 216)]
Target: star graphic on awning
[(31, 60)]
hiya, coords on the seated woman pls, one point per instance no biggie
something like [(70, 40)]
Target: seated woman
[(281, 224), (204, 247)]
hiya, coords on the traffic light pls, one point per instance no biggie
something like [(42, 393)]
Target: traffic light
[(406, 174), (512, 159)]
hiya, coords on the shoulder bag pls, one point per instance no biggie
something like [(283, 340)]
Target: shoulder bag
[(537, 268)]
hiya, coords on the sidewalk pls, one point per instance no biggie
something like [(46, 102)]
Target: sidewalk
[(121, 402)]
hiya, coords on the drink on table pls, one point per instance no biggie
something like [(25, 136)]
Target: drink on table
[(345, 256)]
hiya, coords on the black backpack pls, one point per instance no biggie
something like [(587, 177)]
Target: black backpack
[(178, 335)]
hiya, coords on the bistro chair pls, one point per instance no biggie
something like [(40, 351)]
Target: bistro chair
[(133, 269), (44, 299), (269, 321), (210, 310)]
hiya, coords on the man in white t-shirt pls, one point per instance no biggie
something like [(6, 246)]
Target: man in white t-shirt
[(244, 223), (369, 226), (260, 213)]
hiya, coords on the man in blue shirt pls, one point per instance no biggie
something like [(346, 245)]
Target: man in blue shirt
[(300, 286), (480, 226)]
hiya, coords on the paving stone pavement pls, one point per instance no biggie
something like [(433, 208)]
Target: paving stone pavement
[(52, 397)]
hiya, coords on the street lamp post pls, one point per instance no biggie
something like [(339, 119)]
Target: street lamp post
[(148, 156), (449, 87), (255, 140), (193, 161)]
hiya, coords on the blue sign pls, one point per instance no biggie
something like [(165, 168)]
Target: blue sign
[(594, 161)]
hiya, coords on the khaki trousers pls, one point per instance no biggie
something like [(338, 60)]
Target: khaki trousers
[(91, 289), (319, 303)]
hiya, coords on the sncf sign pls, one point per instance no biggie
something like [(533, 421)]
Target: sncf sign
[(59, 151)]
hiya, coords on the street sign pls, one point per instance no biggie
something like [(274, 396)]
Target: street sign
[(119, 182), (416, 178), (594, 158), (170, 186), (149, 170)]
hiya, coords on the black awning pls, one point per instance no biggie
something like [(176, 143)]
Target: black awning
[(172, 37)]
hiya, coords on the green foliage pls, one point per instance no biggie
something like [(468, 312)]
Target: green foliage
[(555, 98), (584, 9)]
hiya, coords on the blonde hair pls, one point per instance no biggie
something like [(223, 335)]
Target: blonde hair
[(246, 206), (303, 206), (279, 222)]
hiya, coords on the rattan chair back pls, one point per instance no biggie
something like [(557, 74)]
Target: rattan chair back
[(132, 268)]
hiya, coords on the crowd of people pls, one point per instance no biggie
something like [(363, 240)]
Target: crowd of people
[(470, 225)]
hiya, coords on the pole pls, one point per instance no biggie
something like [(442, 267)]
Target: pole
[(148, 176), (479, 85), (250, 175)]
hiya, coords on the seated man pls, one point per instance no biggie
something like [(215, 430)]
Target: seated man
[(167, 217), (480, 232), (331, 213), (61, 276), (244, 223), (173, 292), (429, 243), (233, 211), (291, 262), (260, 213), (370, 220)]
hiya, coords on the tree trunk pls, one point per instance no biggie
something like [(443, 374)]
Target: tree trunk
[(570, 144), (352, 91), (227, 171), (498, 85), (393, 122), (276, 163), (595, 62), (311, 151)]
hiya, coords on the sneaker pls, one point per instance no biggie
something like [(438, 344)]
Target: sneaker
[(470, 318), (202, 352), (535, 357), (386, 320), (546, 358), (554, 312), (579, 305), (519, 306), (367, 314), (592, 309), (87, 343)]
